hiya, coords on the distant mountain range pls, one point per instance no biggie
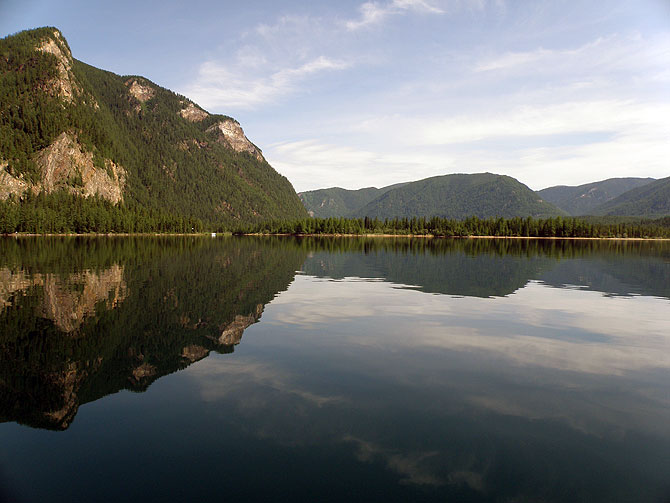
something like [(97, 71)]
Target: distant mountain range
[(586, 199), (650, 200), (336, 202), (489, 195), (67, 126), (452, 196)]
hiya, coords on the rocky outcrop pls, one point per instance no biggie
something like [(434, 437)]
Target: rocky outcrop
[(141, 92), (64, 162), (230, 132), (192, 113), (66, 166), (9, 184), (65, 84)]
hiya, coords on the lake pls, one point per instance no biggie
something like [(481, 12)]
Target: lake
[(326, 369)]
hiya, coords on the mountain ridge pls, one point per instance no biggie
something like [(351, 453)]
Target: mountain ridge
[(452, 196), (583, 199), (126, 139), (336, 201), (650, 200)]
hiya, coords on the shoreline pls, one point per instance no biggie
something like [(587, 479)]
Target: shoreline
[(402, 236), (432, 236), (115, 234)]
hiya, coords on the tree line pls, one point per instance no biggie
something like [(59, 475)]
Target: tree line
[(63, 213), (560, 227)]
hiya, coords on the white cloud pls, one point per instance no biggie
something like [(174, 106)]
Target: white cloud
[(372, 13), (617, 117), (574, 142), (614, 53), (560, 113), (266, 64), (312, 164), (222, 86)]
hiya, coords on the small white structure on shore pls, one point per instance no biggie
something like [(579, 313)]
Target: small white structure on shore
[(213, 234)]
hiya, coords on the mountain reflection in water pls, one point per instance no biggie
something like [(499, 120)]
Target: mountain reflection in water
[(382, 369), (86, 317)]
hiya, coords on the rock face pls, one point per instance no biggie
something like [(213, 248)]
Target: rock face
[(65, 165), (139, 91), (9, 184), (193, 114), (65, 85), (230, 132), (64, 160)]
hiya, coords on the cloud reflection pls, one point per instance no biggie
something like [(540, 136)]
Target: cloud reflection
[(217, 380), (569, 330)]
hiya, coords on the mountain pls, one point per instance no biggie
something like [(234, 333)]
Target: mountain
[(584, 199), (460, 196), (338, 202), (650, 200), (67, 126)]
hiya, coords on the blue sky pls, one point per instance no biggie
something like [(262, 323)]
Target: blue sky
[(354, 94)]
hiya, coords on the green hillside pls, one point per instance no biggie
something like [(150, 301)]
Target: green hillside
[(651, 200), (460, 196), (67, 126), (584, 199), (338, 202)]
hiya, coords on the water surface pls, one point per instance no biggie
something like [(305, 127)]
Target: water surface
[(161, 369)]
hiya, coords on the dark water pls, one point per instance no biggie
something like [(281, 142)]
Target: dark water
[(157, 369)]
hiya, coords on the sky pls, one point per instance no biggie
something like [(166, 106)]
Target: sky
[(356, 94)]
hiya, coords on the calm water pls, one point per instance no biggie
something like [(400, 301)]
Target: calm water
[(156, 369)]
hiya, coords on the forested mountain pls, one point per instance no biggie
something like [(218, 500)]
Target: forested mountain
[(338, 202), (452, 196), (460, 196), (67, 126), (651, 200), (584, 199)]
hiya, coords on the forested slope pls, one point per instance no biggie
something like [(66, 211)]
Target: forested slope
[(584, 199), (460, 196), (66, 126), (651, 200), (338, 202)]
